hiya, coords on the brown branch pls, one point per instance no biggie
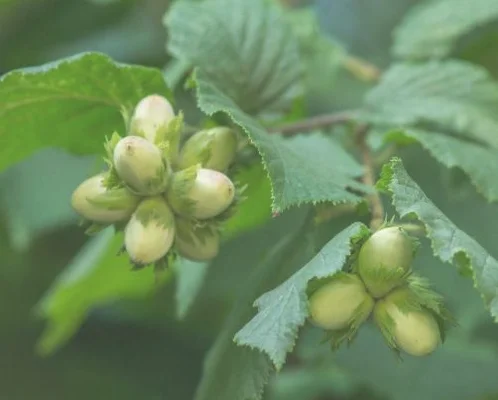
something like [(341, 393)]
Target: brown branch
[(374, 200), (317, 122)]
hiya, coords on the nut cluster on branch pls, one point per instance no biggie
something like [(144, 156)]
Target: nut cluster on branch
[(409, 314), (169, 198)]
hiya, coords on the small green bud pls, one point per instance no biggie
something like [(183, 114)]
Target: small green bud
[(152, 114), (141, 166), (93, 201), (200, 193), (407, 326), (198, 243), (213, 148), (385, 260), (340, 303), (150, 232)]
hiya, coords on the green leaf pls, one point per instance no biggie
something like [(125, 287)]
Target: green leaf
[(255, 209), (242, 47), (433, 28), (28, 215), (189, 278), (94, 278), (249, 45), (304, 169), (72, 103), (285, 309), (322, 57), (175, 71), (239, 373), (449, 243), (478, 162), (452, 96)]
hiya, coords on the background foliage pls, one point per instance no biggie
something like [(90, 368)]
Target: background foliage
[(76, 323)]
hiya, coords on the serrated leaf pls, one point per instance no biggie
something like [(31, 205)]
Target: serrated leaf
[(304, 169), (243, 47), (94, 278), (284, 310), (223, 80), (478, 162), (452, 96), (189, 278), (449, 243), (432, 29), (72, 103), (239, 373)]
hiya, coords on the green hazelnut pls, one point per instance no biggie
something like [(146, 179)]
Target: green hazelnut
[(150, 232), (385, 260), (140, 164), (93, 201), (212, 148), (200, 193), (337, 304)]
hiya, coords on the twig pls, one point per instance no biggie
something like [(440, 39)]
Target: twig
[(374, 200), (317, 122), (362, 69)]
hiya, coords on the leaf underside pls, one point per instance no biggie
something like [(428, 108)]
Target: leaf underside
[(480, 163), (432, 29), (453, 97), (449, 107), (449, 243), (282, 311)]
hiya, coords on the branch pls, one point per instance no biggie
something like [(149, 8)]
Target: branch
[(317, 122), (361, 69), (374, 200)]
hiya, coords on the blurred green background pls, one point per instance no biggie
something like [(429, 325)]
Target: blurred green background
[(136, 348)]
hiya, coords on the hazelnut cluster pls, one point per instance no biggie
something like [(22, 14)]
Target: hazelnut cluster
[(409, 314), (168, 197)]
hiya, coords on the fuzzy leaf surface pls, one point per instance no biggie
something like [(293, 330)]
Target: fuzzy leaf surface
[(282, 311), (480, 163), (449, 96), (72, 103), (247, 60), (305, 169), (433, 28), (245, 48), (449, 243)]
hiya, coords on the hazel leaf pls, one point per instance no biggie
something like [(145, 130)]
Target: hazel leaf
[(449, 243)]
